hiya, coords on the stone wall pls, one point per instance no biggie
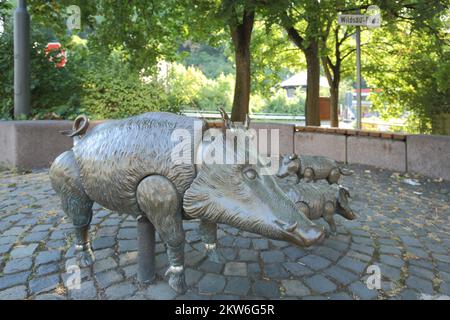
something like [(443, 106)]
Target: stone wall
[(35, 144)]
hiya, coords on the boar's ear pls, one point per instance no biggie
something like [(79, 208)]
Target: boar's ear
[(247, 122), (225, 118)]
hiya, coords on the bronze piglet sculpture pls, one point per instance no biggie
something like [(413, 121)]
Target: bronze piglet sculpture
[(127, 166), (320, 200), (311, 168)]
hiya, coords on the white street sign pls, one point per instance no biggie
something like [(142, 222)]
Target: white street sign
[(371, 21)]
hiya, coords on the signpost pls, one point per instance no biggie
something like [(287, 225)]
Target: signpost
[(358, 20)]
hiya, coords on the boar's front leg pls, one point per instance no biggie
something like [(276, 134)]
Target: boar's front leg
[(328, 215), (208, 232), (159, 200)]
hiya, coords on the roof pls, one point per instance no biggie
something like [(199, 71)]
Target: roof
[(300, 79)]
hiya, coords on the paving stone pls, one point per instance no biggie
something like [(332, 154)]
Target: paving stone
[(46, 269), (23, 251), (248, 255), (16, 265), (427, 264), (341, 275), (409, 294), (35, 237), (421, 272), (275, 271), (103, 253), (127, 233), (211, 284), (127, 245), (297, 269), (272, 256), (160, 291), (295, 288), (392, 273), (320, 284), (130, 271), (391, 260), (423, 286), (5, 248), (358, 256), (279, 244), (352, 264), (340, 296), (106, 232), (15, 231), (226, 241), (14, 293), (128, 258), (105, 264), (120, 290), (253, 270), (192, 276), (10, 280), (86, 291), (8, 240), (211, 267), (103, 242), (229, 253), (235, 269), (328, 253), (360, 289), (267, 289), (224, 297), (243, 243), (314, 262), (294, 253), (389, 250), (260, 244), (43, 284), (105, 279), (47, 256), (237, 285)]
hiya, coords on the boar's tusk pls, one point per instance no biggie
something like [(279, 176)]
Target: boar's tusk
[(292, 227)]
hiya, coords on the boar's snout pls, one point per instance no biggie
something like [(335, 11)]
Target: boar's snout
[(303, 236)]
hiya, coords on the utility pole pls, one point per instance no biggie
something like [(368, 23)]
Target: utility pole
[(21, 60)]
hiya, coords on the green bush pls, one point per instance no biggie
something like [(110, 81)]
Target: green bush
[(111, 91), (280, 103)]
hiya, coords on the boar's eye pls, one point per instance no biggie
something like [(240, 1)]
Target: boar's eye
[(250, 173)]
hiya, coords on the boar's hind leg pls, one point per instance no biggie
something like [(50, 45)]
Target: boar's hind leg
[(65, 178), (159, 200), (208, 232)]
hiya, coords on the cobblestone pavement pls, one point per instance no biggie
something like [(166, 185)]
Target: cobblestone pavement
[(401, 228)]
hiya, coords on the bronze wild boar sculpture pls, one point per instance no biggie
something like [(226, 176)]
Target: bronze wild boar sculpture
[(126, 166), (311, 168), (320, 200)]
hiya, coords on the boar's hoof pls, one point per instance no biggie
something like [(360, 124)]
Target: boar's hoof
[(213, 253), (86, 257), (177, 280)]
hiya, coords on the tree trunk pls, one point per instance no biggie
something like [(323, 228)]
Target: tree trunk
[(334, 106), (241, 36), (313, 84)]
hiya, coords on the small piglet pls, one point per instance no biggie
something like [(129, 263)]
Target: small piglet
[(311, 168), (320, 200)]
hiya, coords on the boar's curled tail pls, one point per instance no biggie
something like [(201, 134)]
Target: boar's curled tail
[(79, 127)]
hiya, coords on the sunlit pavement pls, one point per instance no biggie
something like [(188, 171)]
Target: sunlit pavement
[(402, 230)]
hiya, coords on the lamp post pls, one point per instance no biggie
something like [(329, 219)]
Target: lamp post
[(21, 60)]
